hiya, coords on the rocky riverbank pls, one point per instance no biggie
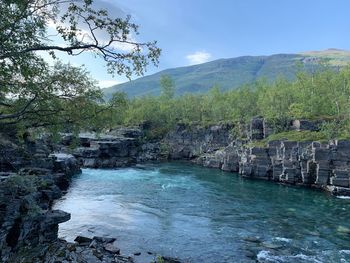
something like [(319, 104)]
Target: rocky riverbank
[(119, 148), (33, 173), (322, 165)]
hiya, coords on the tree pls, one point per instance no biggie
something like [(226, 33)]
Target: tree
[(116, 113), (167, 87), (31, 91)]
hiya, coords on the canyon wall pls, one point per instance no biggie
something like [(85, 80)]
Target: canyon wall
[(33, 173), (32, 177), (324, 165), (308, 163), (119, 148)]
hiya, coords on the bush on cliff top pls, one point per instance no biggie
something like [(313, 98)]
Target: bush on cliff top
[(296, 136)]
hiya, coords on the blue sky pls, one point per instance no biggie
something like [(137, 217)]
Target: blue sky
[(196, 31)]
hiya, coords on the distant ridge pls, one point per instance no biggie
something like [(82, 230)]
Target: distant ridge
[(230, 73)]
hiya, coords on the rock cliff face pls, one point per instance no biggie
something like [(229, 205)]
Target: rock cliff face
[(306, 163), (34, 173), (313, 164), (187, 142), (31, 179), (106, 151), (119, 148)]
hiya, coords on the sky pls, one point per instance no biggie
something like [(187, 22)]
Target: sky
[(197, 31)]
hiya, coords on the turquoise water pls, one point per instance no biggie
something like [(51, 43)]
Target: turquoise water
[(205, 215)]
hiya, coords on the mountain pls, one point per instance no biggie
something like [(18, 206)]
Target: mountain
[(231, 73)]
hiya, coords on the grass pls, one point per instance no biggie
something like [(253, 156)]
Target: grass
[(297, 136)]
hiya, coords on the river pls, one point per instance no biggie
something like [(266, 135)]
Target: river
[(206, 215)]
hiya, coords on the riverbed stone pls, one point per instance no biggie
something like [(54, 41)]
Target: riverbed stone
[(111, 248), (83, 240)]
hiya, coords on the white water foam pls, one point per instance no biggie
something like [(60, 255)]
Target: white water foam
[(266, 256), (169, 185), (343, 197), (282, 239)]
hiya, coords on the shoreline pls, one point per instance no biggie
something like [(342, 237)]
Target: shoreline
[(43, 172)]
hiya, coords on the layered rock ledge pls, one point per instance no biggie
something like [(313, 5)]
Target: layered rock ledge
[(27, 189), (34, 173), (322, 165), (310, 163), (120, 148)]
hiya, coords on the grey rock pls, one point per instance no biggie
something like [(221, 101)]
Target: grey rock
[(83, 240), (104, 240), (257, 128), (54, 217), (304, 125), (111, 248), (189, 142)]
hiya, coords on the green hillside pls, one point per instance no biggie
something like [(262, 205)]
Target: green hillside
[(231, 73)]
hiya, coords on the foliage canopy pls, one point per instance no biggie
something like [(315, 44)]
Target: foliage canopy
[(34, 93)]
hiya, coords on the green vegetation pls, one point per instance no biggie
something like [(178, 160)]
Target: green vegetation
[(158, 259), (232, 73), (335, 57), (323, 95), (299, 136), (61, 97), (34, 93)]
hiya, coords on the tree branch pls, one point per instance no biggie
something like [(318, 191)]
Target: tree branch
[(19, 113)]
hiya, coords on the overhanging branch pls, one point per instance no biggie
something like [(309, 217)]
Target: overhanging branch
[(19, 113)]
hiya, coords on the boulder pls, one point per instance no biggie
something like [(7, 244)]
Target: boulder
[(104, 240), (65, 163), (81, 240), (111, 248), (304, 125), (257, 128)]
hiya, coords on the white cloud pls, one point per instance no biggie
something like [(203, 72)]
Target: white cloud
[(114, 9), (198, 57), (124, 46), (85, 36), (109, 83)]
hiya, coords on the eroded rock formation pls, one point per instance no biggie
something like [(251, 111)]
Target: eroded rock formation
[(31, 179), (315, 164), (119, 148), (34, 173)]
